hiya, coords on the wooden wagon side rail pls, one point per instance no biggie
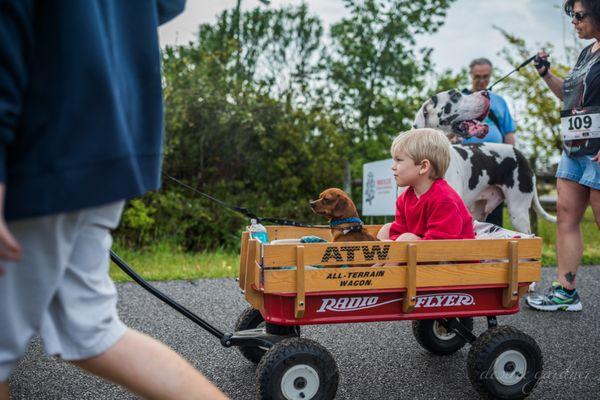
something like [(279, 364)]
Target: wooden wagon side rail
[(290, 268), (250, 271), (426, 275), (410, 299), (511, 294), (442, 251), (424, 266)]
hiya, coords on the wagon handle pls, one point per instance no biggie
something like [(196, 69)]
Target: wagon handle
[(164, 298)]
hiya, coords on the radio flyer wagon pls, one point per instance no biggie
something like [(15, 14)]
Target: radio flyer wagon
[(441, 285)]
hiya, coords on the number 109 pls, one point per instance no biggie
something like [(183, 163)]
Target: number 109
[(580, 122)]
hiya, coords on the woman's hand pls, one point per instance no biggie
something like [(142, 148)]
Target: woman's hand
[(541, 63), (596, 157)]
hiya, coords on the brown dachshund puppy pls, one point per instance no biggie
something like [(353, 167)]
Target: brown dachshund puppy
[(335, 205)]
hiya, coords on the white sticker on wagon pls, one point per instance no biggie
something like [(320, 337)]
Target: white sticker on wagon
[(344, 304), (444, 300)]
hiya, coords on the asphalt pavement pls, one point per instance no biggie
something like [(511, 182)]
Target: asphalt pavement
[(375, 360)]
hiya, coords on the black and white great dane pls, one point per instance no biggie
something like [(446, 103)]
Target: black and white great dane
[(483, 174)]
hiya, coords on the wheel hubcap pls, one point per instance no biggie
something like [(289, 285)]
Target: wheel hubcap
[(510, 367), (301, 382), (441, 332)]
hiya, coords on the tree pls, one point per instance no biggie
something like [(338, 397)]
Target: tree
[(231, 133), (376, 73), (274, 49), (260, 113), (449, 79)]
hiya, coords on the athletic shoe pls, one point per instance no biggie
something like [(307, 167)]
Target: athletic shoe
[(557, 299)]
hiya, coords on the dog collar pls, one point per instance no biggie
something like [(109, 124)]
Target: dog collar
[(355, 228), (345, 221)]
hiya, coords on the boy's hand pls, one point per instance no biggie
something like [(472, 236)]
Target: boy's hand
[(9, 247)]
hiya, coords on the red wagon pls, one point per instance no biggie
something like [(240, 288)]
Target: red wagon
[(440, 285)]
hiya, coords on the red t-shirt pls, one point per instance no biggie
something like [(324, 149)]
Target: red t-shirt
[(439, 213)]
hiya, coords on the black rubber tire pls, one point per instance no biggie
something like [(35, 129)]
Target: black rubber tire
[(294, 352), (424, 331), (486, 350), (252, 319)]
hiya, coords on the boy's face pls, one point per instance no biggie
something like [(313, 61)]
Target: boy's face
[(406, 173)]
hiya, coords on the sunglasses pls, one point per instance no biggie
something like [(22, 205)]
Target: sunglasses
[(579, 16)]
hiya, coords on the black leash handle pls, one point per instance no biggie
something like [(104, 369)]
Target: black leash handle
[(524, 63), (243, 210)]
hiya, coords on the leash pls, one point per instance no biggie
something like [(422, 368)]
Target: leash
[(524, 63), (243, 210)]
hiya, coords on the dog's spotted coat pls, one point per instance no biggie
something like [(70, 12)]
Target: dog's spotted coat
[(483, 174)]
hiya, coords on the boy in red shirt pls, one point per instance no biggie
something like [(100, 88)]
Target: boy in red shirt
[(429, 208)]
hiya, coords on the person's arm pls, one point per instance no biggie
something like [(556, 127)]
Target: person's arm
[(398, 227), (503, 120), (444, 222), (16, 42), (554, 83), (509, 138), (507, 125)]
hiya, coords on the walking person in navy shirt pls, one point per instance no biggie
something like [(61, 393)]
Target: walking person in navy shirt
[(80, 132)]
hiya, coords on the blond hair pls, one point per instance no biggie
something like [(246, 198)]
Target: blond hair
[(425, 143)]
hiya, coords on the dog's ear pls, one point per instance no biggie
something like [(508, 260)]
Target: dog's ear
[(341, 207), (421, 118)]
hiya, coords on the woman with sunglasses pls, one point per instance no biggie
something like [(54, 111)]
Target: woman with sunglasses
[(578, 175)]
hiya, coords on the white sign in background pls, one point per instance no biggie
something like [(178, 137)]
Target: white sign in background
[(379, 189)]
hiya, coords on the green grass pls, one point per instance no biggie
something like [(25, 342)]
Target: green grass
[(165, 262), (168, 262)]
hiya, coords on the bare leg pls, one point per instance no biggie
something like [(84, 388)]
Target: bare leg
[(595, 203), (4, 395), (150, 369), (573, 199)]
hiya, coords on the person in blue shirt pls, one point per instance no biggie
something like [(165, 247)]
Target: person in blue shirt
[(81, 127), (502, 126)]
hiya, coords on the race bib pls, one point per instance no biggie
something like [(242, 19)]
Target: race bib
[(580, 123)]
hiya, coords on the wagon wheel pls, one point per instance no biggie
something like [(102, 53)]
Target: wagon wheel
[(252, 319), (435, 338), (504, 363), (297, 369)]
